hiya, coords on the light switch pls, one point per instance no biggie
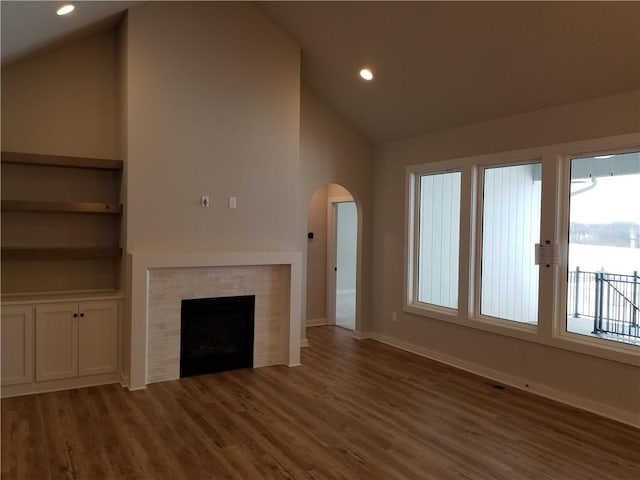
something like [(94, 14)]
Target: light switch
[(204, 201), (232, 202)]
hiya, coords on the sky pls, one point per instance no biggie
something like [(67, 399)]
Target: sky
[(614, 199)]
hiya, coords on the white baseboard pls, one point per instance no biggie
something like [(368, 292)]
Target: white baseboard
[(360, 335), (144, 387), (59, 385), (514, 381), (124, 381), (316, 322), (304, 343)]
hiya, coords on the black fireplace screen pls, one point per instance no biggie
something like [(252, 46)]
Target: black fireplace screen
[(216, 334)]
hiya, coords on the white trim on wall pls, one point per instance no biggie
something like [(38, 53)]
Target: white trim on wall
[(513, 381), (317, 322)]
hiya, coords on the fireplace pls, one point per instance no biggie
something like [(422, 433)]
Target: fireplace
[(161, 280), (216, 334)]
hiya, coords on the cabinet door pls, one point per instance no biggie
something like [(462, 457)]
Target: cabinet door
[(17, 345), (56, 341), (98, 338)]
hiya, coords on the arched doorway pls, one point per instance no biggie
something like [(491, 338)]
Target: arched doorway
[(332, 244)]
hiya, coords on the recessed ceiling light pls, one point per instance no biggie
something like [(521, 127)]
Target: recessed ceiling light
[(65, 9), (366, 74), (603, 156)]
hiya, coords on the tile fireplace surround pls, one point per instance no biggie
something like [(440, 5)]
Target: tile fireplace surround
[(161, 281)]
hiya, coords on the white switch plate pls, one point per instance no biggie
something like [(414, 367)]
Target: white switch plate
[(204, 201), (232, 202)]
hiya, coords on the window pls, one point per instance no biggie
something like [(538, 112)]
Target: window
[(473, 225), (603, 294), (435, 245), (511, 198), (438, 247)]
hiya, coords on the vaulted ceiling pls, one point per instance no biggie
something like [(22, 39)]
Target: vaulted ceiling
[(436, 64)]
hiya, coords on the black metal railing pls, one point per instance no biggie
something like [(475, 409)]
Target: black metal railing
[(610, 299)]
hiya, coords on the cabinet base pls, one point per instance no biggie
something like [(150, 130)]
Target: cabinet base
[(56, 385)]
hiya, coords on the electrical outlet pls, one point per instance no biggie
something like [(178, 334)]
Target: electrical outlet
[(232, 202)]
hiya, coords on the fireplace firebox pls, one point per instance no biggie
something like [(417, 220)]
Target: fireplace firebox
[(216, 334)]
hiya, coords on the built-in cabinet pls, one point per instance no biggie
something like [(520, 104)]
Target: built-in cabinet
[(76, 339), (56, 342), (17, 334), (97, 338), (61, 344), (61, 268)]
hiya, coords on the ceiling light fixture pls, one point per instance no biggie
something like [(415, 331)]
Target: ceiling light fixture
[(65, 9), (366, 74), (601, 157)]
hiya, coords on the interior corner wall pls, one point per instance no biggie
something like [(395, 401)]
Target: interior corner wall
[(609, 384), (64, 101), (125, 266), (213, 109), (331, 151)]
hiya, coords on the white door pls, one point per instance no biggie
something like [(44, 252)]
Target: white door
[(344, 285)]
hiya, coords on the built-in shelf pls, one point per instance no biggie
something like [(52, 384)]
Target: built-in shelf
[(51, 203), (17, 158), (77, 207), (35, 298), (57, 253)]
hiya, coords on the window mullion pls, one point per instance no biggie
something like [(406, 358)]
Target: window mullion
[(467, 234), (550, 229)]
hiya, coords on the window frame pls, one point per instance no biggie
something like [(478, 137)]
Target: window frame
[(476, 312), (560, 331), (414, 174), (552, 288)]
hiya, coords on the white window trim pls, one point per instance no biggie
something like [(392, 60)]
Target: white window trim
[(558, 332), (411, 304), (475, 314), (551, 328)]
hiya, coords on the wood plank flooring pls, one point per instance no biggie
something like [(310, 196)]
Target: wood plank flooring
[(354, 410)]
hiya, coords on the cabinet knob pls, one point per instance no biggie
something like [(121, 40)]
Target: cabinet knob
[(82, 315), (75, 315)]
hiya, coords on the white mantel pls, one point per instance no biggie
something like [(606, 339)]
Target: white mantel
[(142, 263)]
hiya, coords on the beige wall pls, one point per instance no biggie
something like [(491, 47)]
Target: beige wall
[(613, 385), (331, 151), (335, 190), (64, 102), (316, 303), (213, 108)]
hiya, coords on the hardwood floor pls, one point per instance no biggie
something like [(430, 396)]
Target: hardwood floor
[(355, 409)]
